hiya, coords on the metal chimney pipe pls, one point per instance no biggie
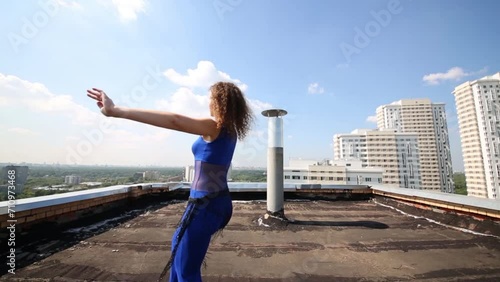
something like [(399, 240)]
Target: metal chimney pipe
[(275, 192)]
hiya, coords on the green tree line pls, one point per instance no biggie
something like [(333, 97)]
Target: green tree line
[(248, 175), (47, 176), (50, 175), (460, 185)]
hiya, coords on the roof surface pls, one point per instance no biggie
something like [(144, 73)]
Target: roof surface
[(329, 241)]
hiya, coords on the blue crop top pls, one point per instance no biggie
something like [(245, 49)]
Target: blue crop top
[(211, 163)]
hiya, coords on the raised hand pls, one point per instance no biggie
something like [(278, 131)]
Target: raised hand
[(104, 103)]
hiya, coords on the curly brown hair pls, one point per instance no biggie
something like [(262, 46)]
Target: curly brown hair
[(230, 109)]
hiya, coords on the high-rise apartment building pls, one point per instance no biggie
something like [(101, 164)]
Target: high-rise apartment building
[(151, 175), (396, 152), (72, 179), (15, 175), (478, 110), (428, 120)]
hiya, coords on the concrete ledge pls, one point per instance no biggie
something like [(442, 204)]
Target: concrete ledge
[(62, 208), (69, 206), (57, 199), (69, 197), (461, 203)]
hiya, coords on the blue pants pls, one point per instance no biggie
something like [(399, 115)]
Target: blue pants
[(200, 222)]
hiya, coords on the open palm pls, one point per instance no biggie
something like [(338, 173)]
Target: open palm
[(103, 101)]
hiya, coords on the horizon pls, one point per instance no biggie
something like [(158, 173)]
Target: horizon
[(100, 165), (140, 166), (328, 64)]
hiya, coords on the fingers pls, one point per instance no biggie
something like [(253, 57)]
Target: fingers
[(97, 90), (96, 94)]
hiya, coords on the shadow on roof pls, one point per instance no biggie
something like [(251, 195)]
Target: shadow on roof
[(367, 224)]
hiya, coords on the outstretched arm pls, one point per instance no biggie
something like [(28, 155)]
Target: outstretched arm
[(200, 126)]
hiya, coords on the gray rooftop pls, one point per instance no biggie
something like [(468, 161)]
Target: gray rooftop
[(375, 240)]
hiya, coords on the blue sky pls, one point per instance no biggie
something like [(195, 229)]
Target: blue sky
[(330, 64)]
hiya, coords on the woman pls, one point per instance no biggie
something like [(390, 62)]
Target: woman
[(209, 207)]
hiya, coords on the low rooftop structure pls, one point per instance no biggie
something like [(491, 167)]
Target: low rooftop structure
[(343, 172)]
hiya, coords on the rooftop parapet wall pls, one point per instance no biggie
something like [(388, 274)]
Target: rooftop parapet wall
[(67, 207), (460, 203)]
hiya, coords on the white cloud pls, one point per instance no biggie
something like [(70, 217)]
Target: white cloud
[(259, 106), (343, 66), (76, 135), (36, 97), (22, 131), (185, 101), (372, 119), (314, 88), (455, 74), (69, 4), (203, 76), (127, 10)]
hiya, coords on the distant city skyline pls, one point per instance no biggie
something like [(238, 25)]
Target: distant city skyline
[(330, 64)]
